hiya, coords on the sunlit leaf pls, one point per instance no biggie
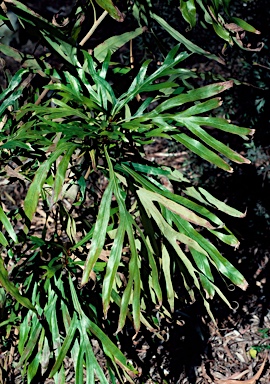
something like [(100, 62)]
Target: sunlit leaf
[(166, 266), (202, 151), (185, 213), (192, 95), (221, 205)]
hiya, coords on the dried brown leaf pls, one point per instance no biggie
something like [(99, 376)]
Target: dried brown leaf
[(233, 27), (253, 380)]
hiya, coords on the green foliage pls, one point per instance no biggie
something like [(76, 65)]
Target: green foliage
[(216, 13), (120, 236), (212, 10)]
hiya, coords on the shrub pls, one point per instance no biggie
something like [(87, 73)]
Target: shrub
[(98, 227)]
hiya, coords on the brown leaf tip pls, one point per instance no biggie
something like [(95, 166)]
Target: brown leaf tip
[(227, 84)]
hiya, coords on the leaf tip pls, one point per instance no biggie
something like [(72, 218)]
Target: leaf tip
[(243, 285), (120, 15), (227, 84)]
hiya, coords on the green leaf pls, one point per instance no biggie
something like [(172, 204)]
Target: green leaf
[(202, 151), (159, 86), (246, 26), (65, 346), (13, 83), (33, 367), (56, 39), (3, 240), (217, 122), (147, 197), (115, 42), (177, 198), (112, 265), (11, 99), (220, 262), (227, 239), (61, 171), (152, 262), (111, 9), (35, 331), (215, 144), (216, 4), (8, 226), (187, 43), (110, 349), (12, 289), (188, 10), (141, 81), (221, 205), (222, 32), (207, 285), (99, 234), (198, 108), (202, 263), (193, 95), (31, 199), (166, 267), (27, 61), (133, 288)]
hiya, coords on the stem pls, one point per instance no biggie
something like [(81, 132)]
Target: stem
[(94, 27), (43, 94)]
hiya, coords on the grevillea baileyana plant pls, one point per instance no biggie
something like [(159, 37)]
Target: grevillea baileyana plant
[(97, 233)]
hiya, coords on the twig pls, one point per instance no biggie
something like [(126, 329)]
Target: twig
[(94, 27), (83, 41), (131, 58), (260, 65), (43, 94)]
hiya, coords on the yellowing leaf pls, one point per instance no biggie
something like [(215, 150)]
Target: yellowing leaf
[(253, 353)]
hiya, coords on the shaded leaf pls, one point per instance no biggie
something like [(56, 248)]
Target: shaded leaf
[(245, 26), (188, 10), (99, 234), (65, 346), (12, 289), (111, 9), (187, 43), (61, 171), (7, 225), (115, 42), (31, 199)]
